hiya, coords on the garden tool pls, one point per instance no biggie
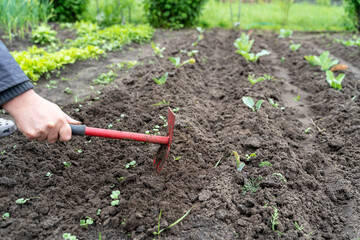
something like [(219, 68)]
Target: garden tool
[(162, 153)]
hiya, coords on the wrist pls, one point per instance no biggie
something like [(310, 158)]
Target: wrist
[(18, 102)]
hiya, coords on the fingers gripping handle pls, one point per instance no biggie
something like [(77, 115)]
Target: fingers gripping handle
[(78, 130)]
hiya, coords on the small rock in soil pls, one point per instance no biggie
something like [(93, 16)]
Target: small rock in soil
[(205, 195), (336, 144)]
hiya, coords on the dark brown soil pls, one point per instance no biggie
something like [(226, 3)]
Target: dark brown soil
[(313, 180)]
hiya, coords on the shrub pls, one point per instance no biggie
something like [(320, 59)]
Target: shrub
[(68, 10), (173, 13), (352, 8)]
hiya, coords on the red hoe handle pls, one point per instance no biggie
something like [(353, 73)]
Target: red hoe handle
[(163, 152)]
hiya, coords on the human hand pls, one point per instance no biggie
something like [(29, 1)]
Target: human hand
[(38, 118)]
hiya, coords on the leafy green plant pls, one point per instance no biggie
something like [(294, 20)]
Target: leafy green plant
[(249, 102), (159, 231), (239, 165), (98, 212), (69, 91), (172, 13), (115, 196), (265, 163), (161, 80), (273, 103), (3, 152), (334, 82), (244, 43), (323, 60), (297, 98), (254, 80), (130, 164), (5, 216), (43, 35), (252, 57), (68, 236), (248, 157), (176, 61), (280, 176), (86, 222), (22, 201), (274, 218), (36, 61), (157, 50), (352, 10), (163, 102), (105, 78), (295, 47), (282, 59), (285, 33), (67, 164), (307, 130), (48, 174), (298, 227), (177, 158), (252, 185)]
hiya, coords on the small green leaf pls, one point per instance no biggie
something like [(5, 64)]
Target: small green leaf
[(249, 102), (258, 104)]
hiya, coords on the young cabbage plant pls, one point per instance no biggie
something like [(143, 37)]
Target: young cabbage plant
[(115, 196), (323, 60), (68, 236), (249, 102), (176, 61), (273, 103), (254, 80), (252, 57), (86, 222), (285, 33), (239, 165), (157, 50), (333, 81), (162, 80), (244, 43), (295, 47)]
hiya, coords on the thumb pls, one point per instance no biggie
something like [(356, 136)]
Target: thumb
[(71, 120)]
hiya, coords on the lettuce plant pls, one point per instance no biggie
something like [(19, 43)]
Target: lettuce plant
[(43, 35), (115, 196), (162, 80), (333, 81), (244, 43), (254, 80), (86, 222), (285, 33), (157, 50), (176, 61), (295, 47), (323, 60)]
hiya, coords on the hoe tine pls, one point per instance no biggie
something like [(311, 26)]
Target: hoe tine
[(163, 152)]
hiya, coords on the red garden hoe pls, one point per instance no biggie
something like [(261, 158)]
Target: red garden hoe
[(162, 153)]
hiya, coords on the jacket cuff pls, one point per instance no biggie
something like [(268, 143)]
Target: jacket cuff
[(15, 91)]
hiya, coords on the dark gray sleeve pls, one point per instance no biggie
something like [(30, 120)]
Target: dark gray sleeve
[(13, 80)]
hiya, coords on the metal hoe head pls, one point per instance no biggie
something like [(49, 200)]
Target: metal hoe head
[(163, 152)]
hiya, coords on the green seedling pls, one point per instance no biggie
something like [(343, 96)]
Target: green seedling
[(298, 227), (175, 109), (252, 57), (162, 80), (217, 163), (110, 126), (68, 236), (68, 91), (200, 30), (163, 102), (307, 130), (239, 165), (100, 236), (295, 47), (98, 212), (14, 147), (285, 33), (249, 102), (121, 178), (253, 185), (5, 216), (22, 201), (192, 53), (105, 78), (48, 174), (265, 163), (176, 61), (67, 164), (282, 59), (354, 98), (248, 157), (244, 43), (171, 225), (130, 164), (86, 222), (334, 82), (157, 50), (297, 98), (323, 60), (280, 176), (177, 158), (126, 64), (254, 80), (273, 103), (3, 152), (51, 84), (115, 196), (164, 121), (112, 186), (275, 218)]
